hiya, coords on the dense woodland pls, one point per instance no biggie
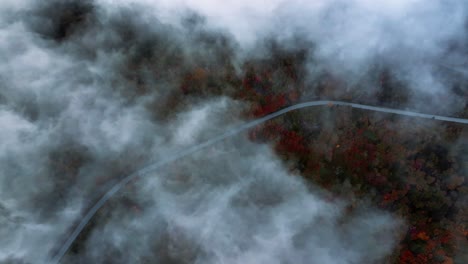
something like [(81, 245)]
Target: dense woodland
[(403, 165), (413, 168)]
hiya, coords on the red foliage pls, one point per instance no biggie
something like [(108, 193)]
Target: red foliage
[(407, 257), (291, 142), (446, 238), (271, 104)]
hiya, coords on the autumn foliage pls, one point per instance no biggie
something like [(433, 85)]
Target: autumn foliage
[(409, 173)]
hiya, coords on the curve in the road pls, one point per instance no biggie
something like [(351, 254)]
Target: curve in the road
[(64, 248)]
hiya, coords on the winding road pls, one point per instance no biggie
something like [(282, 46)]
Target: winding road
[(153, 166)]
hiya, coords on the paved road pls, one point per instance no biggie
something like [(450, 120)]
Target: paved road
[(153, 166)]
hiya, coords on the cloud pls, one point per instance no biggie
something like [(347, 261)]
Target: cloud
[(412, 40), (242, 207), (78, 99)]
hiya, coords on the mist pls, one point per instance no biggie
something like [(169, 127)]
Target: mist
[(418, 43), (90, 91)]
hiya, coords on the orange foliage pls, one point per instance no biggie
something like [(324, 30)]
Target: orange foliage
[(422, 235)]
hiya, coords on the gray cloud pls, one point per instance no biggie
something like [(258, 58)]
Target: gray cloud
[(413, 41), (81, 98)]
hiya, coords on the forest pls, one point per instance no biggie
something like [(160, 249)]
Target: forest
[(91, 93)]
